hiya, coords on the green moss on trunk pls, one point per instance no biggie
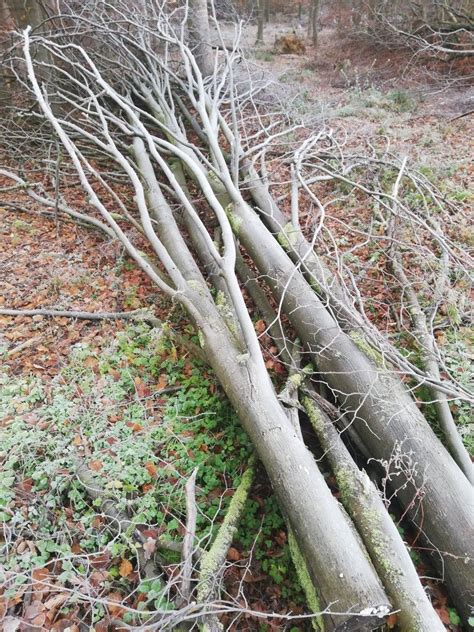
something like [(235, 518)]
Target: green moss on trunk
[(212, 561), (288, 236), (305, 581)]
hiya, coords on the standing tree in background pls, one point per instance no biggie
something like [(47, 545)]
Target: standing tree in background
[(261, 6), (200, 36), (26, 12), (315, 10), (17, 15)]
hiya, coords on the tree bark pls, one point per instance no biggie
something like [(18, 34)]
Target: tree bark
[(373, 400), (212, 562), (318, 275), (26, 12), (260, 20), (379, 533), (382, 412), (200, 36), (426, 343), (343, 576), (316, 5), (313, 512)]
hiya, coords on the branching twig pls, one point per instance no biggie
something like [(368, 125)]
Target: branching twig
[(188, 541), (137, 315)]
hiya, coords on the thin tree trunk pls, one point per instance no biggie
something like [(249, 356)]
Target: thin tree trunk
[(310, 20), (316, 5), (381, 537), (5, 78), (427, 346), (260, 20), (267, 10), (26, 12), (318, 275), (16, 14)]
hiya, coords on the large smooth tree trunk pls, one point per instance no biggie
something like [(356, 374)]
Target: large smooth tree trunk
[(336, 559), (430, 485), (334, 556), (382, 412)]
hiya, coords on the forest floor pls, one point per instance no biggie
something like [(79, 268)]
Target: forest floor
[(96, 387)]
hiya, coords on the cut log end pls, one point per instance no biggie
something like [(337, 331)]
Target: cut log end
[(366, 621)]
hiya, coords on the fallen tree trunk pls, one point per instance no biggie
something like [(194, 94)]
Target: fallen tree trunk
[(382, 412), (373, 400), (315, 518), (381, 537), (343, 576)]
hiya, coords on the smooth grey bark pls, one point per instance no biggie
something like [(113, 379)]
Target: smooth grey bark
[(337, 563), (379, 533), (440, 500), (313, 512), (382, 413), (335, 560), (200, 36), (301, 252)]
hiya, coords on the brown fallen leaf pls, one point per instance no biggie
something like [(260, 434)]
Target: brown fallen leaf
[(114, 600), (54, 603), (40, 577), (134, 426), (151, 469), (65, 625), (91, 362), (35, 614), (101, 560), (98, 577), (260, 326), (251, 578), (125, 568), (162, 382)]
